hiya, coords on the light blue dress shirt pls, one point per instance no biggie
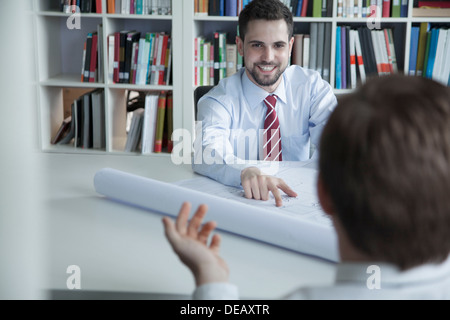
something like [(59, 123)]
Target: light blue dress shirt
[(353, 282), (230, 121)]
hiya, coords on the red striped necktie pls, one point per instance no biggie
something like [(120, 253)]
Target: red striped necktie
[(271, 136)]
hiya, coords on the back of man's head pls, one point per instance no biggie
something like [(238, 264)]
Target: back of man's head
[(385, 162)]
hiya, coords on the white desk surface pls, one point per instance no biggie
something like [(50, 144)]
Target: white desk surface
[(122, 249)]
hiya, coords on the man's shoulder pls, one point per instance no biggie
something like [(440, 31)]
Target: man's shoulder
[(298, 75), (227, 88)]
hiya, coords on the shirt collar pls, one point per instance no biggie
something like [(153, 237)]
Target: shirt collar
[(256, 95)]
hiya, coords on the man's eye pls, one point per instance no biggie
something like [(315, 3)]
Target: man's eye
[(257, 45)]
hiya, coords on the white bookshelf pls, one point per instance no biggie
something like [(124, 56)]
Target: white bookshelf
[(59, 62), (59, 59)]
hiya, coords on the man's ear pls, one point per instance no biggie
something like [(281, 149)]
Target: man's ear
[(324, 197), (240, 45)]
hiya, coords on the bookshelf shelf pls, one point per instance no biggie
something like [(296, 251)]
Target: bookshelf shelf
[(70, 80), (59, 60)]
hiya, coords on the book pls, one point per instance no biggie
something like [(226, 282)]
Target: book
[(386, 9), (423, 29), (116, 78), (427, 52), (169, 117), (440, 52), (320, 47), (343, 57), (297, 50), (111, 6), (162, 99), (395, 12), (98, 119), (352, 53), (161, 67), (338, 72), (100, 72), (306, 45), (231, 8), (222, 55), (327, 53), (385, 38), (168, 65), (317, 8), (87, 122), (94, 58), (431, 12), (359, 56), (445, 74), (130, 40), (313, 33), (149, 123), (231, 59), (392, 49), (413, 50), (122, 52), (134, 135), (77, 116), (87, 59), (63, 131), (215, 43), (432, 53), (404, 8), (305, 8)]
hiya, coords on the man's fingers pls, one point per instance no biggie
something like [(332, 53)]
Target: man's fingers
[(197, 220), (286, 189), (215, 243), (183, 215), (255, 189), (276, 193), (169, 230), (247, 189), (206, 230)]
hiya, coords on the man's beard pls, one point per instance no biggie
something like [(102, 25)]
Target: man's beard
[(263, 80)]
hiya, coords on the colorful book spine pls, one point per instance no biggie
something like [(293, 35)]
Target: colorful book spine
[(160, 121), (413, 51), (338, 58)]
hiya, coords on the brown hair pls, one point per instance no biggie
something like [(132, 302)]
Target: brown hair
[(267, 10), (385, 161)]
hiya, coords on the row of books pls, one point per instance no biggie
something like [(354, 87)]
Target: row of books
[(91, 67), (310, 8), (214, 59), (429, 52), (232, 8), (85, 127), (150, 123), (144, 7), (228, 8), (372, 8), (139, 59), (362, 52), (83, 6), (313, 50)]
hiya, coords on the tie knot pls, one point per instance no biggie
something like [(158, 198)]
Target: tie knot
[(271, 100)]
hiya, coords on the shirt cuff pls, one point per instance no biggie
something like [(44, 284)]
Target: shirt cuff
[(216, 291)]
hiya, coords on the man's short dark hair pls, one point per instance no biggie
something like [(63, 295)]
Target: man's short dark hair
[(270, 10), (385, 161)]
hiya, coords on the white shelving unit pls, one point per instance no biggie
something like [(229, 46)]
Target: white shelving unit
[(59, 55), (59, 60)]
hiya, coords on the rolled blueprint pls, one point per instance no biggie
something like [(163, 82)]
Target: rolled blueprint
[(263, 224)]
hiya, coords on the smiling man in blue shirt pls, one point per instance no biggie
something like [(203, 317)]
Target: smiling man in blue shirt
[(232, 114)]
